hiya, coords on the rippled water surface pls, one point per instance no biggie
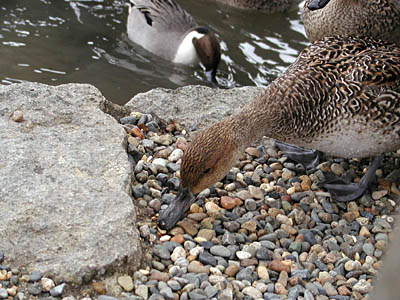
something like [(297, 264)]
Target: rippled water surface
[(56, 41)]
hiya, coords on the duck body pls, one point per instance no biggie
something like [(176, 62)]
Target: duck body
[(269, 6), (379, 19), (165, 29), (341, 96)]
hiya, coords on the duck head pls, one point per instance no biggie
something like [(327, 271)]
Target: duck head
[(206, 161), (317, 4), (209, 52)]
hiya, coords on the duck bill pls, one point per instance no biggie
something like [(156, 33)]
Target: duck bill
[(317, 4), (176, 210)]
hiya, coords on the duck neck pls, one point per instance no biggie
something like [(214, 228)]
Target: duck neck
[(257, 119)]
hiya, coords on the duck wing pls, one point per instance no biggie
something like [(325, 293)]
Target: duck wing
[(164, 15)]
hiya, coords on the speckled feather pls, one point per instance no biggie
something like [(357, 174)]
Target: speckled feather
[(336, 83), (341, 96), (378, 19), (269, 6)]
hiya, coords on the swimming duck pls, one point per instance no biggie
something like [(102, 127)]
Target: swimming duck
[(341, 96), (165, 29), (269, 6), (379, 19)]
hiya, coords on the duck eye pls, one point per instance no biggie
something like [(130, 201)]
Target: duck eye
[(206, 171)]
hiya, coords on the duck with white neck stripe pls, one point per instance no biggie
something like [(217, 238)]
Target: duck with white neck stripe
[(165, 29)]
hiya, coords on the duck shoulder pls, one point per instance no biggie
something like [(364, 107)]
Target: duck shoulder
[(165, 15), (379, 19), (336, 86)]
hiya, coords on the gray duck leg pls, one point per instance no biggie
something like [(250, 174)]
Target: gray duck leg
[(344, 191), (308, 158)]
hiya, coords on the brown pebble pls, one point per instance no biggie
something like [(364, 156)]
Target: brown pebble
[(198, 217), (194, 208), (182, 144), (135, 131), (18, 116), (279, 266), (188, 227), (248, 262), (229, 202), (299, 238), (197, 267), (294, 280), (231, 270), (176, 230), (170, 127), (249, 225), (364, 232), (349, 216), (159, 276), (343, 291), (280, 289), (305, 182), (99, 287), (252, 151), (178, 238)]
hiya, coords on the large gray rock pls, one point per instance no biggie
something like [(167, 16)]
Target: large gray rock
[(65, 207), (388, 283), (195, 107)]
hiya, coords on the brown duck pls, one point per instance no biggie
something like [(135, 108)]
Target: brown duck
[(341, 96), (379, 19)]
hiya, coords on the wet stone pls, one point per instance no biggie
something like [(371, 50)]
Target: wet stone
[(35, 276)]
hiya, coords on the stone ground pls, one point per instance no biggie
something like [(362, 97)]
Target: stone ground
[(266, 231)]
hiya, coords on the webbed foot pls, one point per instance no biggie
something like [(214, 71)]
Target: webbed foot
[(344, 191), (308, 158)]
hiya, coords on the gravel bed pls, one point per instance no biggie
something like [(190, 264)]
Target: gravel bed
[(266, 231)]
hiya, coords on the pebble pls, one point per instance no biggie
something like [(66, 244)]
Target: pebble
[(142, 291), (57, 290), (126, 283), (243, 255), (267, 230), (362, 286), (220, 251), (3, 293), (18, 116), (179, 252), (376, 195), (229, 202), (252, 292), (35, 276), (47, 284)]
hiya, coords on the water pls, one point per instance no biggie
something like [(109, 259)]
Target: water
[(84, 41)]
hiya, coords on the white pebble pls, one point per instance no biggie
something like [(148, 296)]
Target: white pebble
[(47, 284), (196, 251), (175, 155), (243, 255), (178, 253)]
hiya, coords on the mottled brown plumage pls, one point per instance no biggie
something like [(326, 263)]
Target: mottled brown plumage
[(269, 6), (378, 19), (341, 96)]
